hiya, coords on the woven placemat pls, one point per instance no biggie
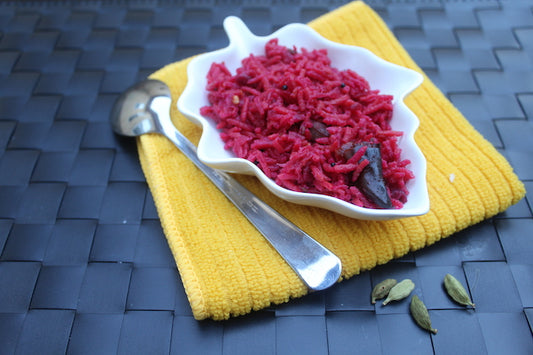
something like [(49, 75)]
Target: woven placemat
[(98, 276)]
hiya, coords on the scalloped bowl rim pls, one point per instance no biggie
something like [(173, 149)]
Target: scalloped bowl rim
[(377, 71)]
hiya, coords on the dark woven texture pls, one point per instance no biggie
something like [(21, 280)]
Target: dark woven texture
[(84, 265)]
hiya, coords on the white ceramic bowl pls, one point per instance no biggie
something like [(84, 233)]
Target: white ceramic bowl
[(388, 78)]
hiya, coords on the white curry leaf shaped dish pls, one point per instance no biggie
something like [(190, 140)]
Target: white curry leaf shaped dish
[(388, 78)]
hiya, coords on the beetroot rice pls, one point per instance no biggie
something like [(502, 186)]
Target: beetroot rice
[(290, 112)]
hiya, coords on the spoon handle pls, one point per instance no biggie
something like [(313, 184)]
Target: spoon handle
[(316, 266)]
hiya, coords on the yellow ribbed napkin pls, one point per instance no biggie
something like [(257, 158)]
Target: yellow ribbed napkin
[(228, 268)]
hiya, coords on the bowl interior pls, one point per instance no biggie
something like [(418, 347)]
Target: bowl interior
[(388, 78)]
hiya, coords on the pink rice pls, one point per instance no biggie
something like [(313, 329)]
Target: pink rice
[(267, 110)]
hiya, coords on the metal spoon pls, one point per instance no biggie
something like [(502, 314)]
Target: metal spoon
[(145, 108)]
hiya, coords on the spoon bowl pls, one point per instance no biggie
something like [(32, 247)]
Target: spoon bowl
[(133, 114), (145, 108)]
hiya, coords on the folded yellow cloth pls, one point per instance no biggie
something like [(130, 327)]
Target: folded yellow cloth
[(227, 267)]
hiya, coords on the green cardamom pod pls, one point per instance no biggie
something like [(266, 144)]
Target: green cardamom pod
[(456, 291), (400, 291), (382, 289), (420, 314)]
